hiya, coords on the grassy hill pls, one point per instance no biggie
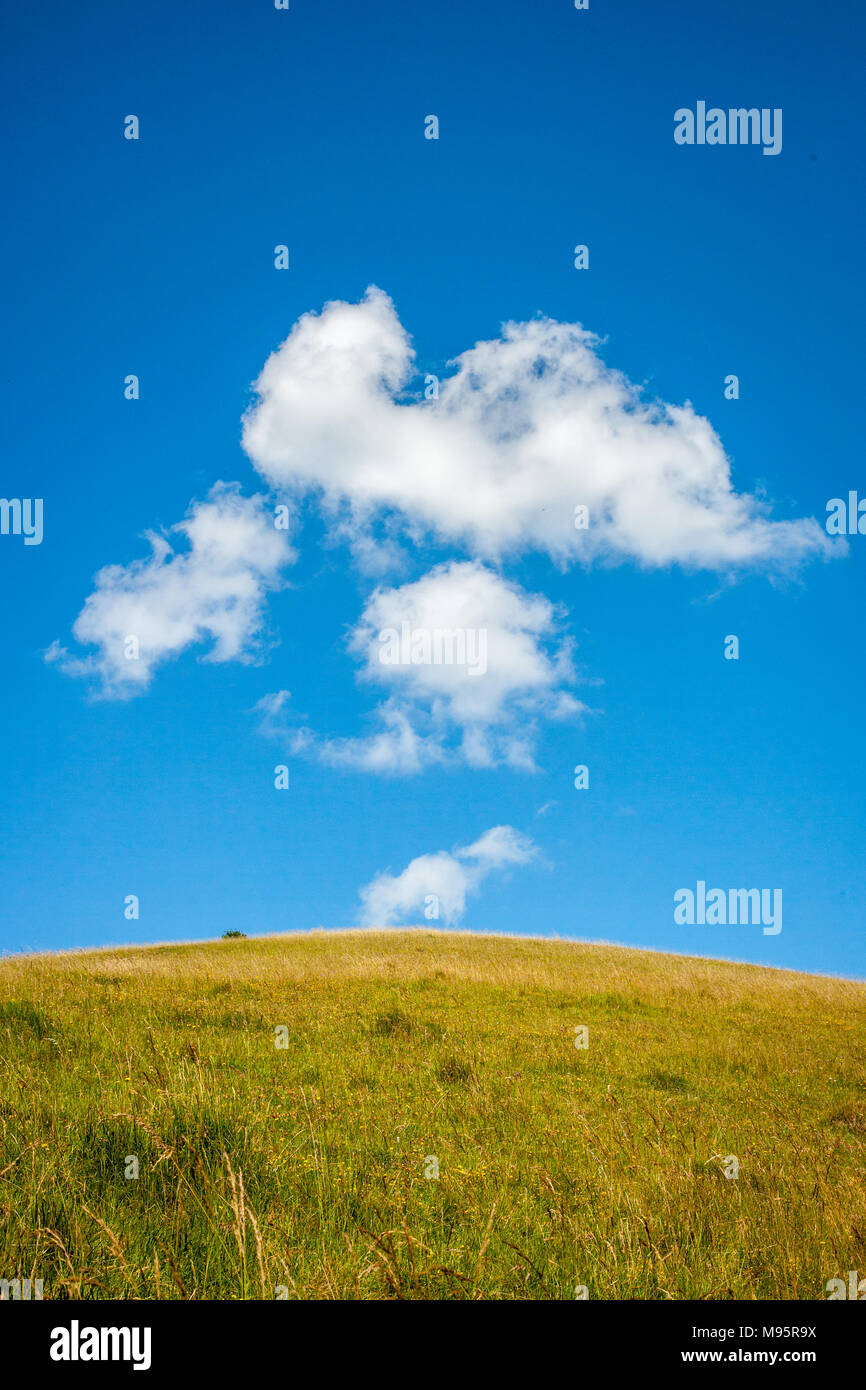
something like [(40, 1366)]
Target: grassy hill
[(303, 1166)]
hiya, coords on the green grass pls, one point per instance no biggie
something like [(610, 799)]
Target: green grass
[(304, 1166)]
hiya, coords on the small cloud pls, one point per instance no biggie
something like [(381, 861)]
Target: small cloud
[(272, 724), (472, 663), (439, 884), (149, 611)]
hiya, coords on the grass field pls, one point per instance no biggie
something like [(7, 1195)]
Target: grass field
[(302, 1168)]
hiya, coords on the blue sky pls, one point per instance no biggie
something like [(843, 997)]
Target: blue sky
[(156, 257)]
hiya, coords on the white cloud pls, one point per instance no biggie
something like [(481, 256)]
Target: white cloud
[(396, 746), (273, 721), (213, 591), (530, 426), (495, 625), (503, 666), (443, 880)]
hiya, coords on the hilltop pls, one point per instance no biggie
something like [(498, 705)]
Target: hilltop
[(287, 1104)]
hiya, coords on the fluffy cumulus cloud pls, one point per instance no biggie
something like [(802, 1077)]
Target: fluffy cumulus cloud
[(437, 885), (214, 590), (528, 427), (469, 664)]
